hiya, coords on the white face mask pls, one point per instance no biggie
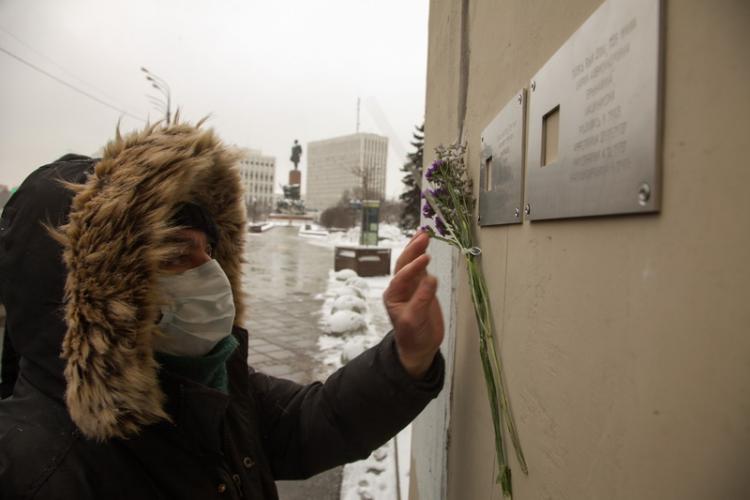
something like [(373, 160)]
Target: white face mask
[(199, 310)]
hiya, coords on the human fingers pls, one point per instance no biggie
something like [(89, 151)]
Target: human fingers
[(405, 281), (414, 249), (419, 305), (414, 322)]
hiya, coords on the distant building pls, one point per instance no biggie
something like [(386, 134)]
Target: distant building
[(258, 177), (331, 166)]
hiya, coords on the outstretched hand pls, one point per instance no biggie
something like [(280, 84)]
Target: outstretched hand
[(414, 309)]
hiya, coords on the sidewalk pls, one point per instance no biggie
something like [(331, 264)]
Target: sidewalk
[(283, 277), (290, 356)]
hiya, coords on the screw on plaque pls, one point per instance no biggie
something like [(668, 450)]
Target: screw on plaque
[(520, 98), (517, 213), (644, 194), (527, 209), (533, 85)]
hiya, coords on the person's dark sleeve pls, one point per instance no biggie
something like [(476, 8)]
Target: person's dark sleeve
[(309, 429), (8, 367)]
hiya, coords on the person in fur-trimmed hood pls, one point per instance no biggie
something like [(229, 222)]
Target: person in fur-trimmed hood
[(124, 361)]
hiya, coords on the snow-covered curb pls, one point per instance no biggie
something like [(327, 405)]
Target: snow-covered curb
[(264, 226), (390, 237), (374, 478), (355, 319), (313, 232), (347, 319)]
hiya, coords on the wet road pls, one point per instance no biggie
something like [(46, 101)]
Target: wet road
[(281, 265), (282, 277)]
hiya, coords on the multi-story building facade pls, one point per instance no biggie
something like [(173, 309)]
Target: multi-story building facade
[(339, 164), (259, 178)]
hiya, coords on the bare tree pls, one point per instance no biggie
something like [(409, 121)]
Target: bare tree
[(363, 179), (364, 173)]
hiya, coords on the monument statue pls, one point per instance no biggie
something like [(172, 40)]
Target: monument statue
[(292, 202), (296, 154)]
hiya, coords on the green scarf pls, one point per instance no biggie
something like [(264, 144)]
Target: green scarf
[(209, 370)]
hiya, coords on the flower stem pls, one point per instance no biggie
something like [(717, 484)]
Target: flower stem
[(496, 385), (454, 225)]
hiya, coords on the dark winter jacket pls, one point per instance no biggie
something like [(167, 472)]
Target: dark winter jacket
[(91, 414)]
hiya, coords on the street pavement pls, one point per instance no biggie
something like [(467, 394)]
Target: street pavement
[(282, 278)]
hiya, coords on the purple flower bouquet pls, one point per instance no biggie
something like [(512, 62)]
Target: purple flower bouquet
[(450, 204)]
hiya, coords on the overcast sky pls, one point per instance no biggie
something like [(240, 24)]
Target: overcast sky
[(267, 71)]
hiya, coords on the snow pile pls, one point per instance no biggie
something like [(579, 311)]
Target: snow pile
[(345, 274), (355, 319), (347, 323), (313, 231), (349, 291), (349, 296), (358, 283), (346, 318), (376, 478), (391, 236), (349, 303), (263, 227)]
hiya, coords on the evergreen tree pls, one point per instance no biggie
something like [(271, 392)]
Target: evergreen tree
[(411, 197)]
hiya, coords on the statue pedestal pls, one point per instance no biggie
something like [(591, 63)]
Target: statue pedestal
[(295, 177)]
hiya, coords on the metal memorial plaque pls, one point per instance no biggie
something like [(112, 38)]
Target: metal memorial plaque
[(594, 118), (501, 171)]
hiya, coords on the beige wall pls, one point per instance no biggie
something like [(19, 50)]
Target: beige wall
[(626, 340)]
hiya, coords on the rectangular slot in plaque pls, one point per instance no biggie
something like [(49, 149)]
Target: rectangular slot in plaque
[(488, 174), (550, 136), (501, 167)]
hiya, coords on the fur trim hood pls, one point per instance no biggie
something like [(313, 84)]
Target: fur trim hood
[(115, 239)]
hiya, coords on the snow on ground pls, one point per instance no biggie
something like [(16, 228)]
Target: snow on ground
[(390, 236), (374, 478), (355, 319), (312, 231), (347, 317), (264, 226)]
